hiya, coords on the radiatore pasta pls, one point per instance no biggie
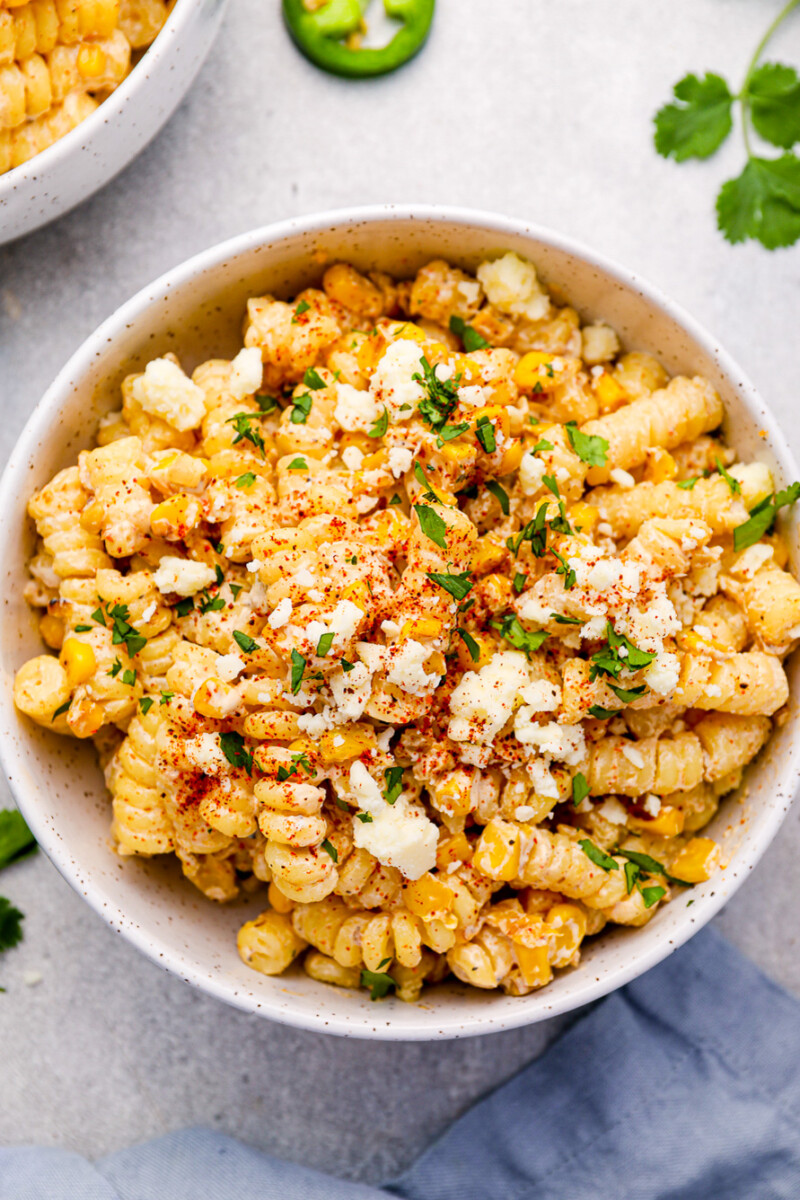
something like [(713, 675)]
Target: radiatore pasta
[(435, 617)]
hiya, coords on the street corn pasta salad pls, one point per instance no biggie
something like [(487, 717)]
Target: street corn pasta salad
[(434, 613), (59, 59)]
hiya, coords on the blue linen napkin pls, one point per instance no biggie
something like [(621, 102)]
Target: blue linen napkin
[(683, 1086)]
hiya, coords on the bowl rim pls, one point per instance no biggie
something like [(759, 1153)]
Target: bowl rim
[(111, 107), (13, 479)]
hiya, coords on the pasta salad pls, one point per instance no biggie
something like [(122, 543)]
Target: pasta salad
[(434, 613)]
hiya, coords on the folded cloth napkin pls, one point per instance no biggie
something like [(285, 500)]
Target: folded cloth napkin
[(685, 1085)]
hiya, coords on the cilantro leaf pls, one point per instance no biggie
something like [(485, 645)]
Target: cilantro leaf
[(762, 203), (699, 120), (432, 525), (459, 586), (519, 581), (145, 704), (364, 818), (242, 423), (517, 635), (10, 924), (312, 379), (245, 642), (470, 643), (380, 425), (448, 432), (651, 865), (129, 677), (211, 604), (580, 789), (542, 445), (185, 606), (297, 464), (603, 714), (652, 895), (301, 407), (245, 481), (733, 484), (233, 747), (15, 837), (394, 783), (324, 644), (500, 495), (470, 337), (550, 483), (686, 485), (632, 872), (774, 95), (627, 695), (484, 432), (266, 404), (301, 308), (378, 982), (762, 517), (589, 447), (330, 849), (560, 619), (298, 668), (442, 396), (598, 856)]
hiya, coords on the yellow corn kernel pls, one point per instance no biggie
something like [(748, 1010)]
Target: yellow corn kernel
[(534, 965), (660, 466), (427, 898), (98, 18), (91, 61), (52, 630), (497, 415), (278, 901), (456, 453), (668, 823), (531, 367), (487, 555), (417, 627), (336, 746), (216, 699), (389, 527), (497, 852), (698, 642), (511, 459), (496, 590), (361, 441), (486, 648), (453, 794), (85, 717), (78, 661), (92, 517), (376, 460), (358, 592), (609, 393), (455, 848), (568, 925), (696, 861), (174, 517), (583, 516)]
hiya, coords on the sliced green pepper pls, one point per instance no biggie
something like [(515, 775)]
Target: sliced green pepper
[(319, 34)]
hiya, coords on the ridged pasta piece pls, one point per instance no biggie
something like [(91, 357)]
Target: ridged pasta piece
[(730, 742), (57, 510), (682, 410), (709, 500), (771, 603), (116, 474), (747, 683), (140, 824), (652, 765), (269, 943), (290, 342)]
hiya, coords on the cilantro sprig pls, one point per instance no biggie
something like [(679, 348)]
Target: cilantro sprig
[(763, 202), (441, 398), (514, 632), (470, 337), (762, 517), (15, 837)]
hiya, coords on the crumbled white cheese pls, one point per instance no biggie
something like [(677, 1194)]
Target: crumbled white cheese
[(531, 471), (365, 790), (756, 482), (371, 654), (399, 836), (400, 460), (355, 411), (663, 673), (524, 812), (713, 690), (352, 458), (165, 391), (443, 370), (229, 667), (392, 386), (183, 576), (594, 629), (566, 743), (512, 286), (623, 479), (599, 344), (149, 611), (542, 695), (303, 577), (470, 289), (247, 371), (652, 805), (531, 608), (315, 724), (407, 669), (543, 782), (254, 565), (483, 700), (204, 751), (475, 395), (614, 811), (31, 978), (351, 691), (634, 756), (338, 740), (390, 628), (280, 614)]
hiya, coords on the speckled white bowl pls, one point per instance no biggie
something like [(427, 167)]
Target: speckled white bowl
[(85, 159), (197, 311)]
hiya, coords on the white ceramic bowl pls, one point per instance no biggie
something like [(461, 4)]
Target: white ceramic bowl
[(197, 311), (85, 159)]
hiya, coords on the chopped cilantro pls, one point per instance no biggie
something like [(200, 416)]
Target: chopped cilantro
[(459, 586), (15, 837), (211, 604), (432, 525), (330, 849), (235, 589), (266, 404), (564, 569), (598, 856), (300, 308), (245, 481), (365, 818), (652, 895), (560, 619), (632, 872), (651, 865), (83, 629), (312, 379), (394, 783), (324, 644), (470, 643), (378, 982), (346, 666), (515, 632), (122, 631), (762, 517), (245, 642), (297, 464), (11, 925), (549, 481), (242, 422), (589, 448), (166, 697), (62, 708), (298, 668), (500, 495), (687, 484), (146, 703), (441, 398), (627, 695), (129, 678), (301, 407), (608, 660), (233, 747), (99, 616), (732, 483), (484, 432), (603, 714), (580, 789), (116, 667), (542, 445), (380, 425), (395, 500), (469, 336), (519, 581), (184, 607)]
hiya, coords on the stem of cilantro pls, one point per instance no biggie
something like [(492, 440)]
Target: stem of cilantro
[(744, 95)]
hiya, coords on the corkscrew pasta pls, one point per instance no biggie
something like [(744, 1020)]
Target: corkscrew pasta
[(434, 615), (59, 59)]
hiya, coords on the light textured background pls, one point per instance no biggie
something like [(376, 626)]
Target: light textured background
[(536, 108)]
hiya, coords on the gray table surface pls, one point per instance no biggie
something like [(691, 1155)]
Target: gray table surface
[(536, 108)]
